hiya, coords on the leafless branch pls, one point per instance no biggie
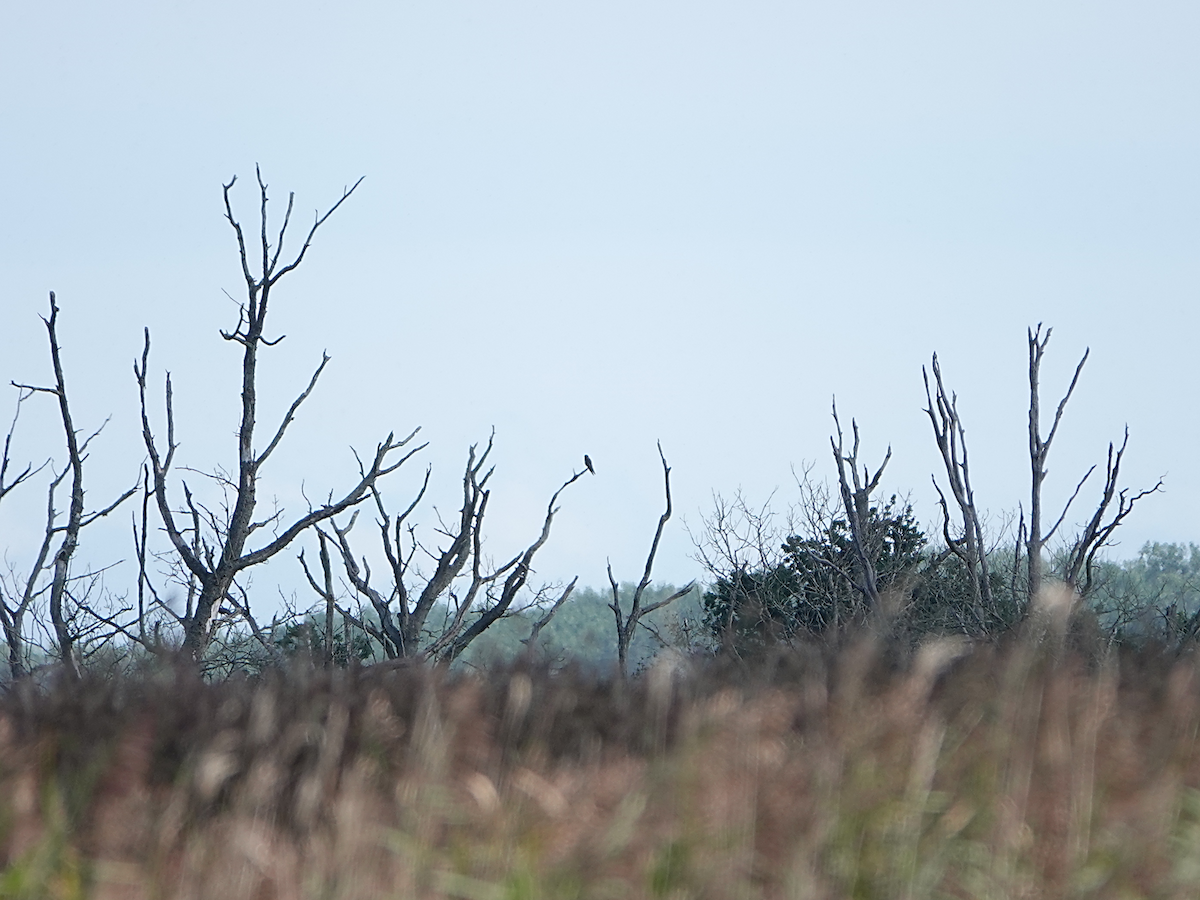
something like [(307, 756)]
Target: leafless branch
[(29, 471), (534, 632), (626, 624), (1079, 568), (291, 413)]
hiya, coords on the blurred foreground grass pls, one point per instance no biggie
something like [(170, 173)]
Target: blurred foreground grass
[(1015, 769)]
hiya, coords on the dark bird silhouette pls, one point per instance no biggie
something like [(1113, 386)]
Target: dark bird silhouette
[(587, 461)]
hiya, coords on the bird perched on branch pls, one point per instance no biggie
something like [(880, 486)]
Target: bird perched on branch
[(587, 461)]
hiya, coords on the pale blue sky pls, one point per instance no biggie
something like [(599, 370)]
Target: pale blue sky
[(597, 225)]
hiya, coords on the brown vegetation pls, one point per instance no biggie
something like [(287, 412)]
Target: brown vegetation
[(1022, 769)]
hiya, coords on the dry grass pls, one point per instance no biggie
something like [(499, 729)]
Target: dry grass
[(1012, 770)]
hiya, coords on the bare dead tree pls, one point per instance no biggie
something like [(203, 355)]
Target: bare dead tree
[(951, 437), (1079, 564), (1039, 449), (1079, 567), (404, 603), (213, 544), (627, 624), (77, 518), (856, 499)]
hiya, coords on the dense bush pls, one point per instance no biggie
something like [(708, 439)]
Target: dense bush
[(815, 586)]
